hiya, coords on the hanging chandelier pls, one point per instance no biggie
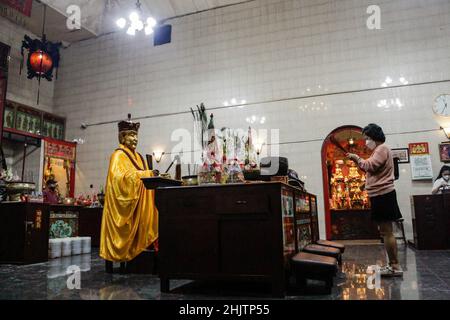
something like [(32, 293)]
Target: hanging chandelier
[(135, 24)]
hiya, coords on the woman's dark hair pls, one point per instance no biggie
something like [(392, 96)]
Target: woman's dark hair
[(374, 132), (444, 168)]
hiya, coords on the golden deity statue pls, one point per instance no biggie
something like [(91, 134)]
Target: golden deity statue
[(338, 175), (130, 217), (346, 188), (353, 173)]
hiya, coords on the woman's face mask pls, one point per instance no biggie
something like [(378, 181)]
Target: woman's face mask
[(371, 144)]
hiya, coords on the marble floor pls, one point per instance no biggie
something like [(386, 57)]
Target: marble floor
[(427, 276)]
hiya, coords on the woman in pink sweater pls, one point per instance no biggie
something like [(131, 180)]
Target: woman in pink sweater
[(379, 170)]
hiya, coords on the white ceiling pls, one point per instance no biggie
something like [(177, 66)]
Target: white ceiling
[(98, 16), (168, 8)]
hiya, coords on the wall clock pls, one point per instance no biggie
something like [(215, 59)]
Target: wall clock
[(441, 105)]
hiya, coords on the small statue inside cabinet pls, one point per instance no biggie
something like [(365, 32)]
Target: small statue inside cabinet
[(44, 129), (25, 124), (338, 175), (353, 173), (37, 124), (10, 119), (30, 125)]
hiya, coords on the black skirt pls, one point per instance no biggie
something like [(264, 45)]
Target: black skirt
[(385, 207)]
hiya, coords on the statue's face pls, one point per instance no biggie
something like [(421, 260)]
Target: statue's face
[(130, 140)]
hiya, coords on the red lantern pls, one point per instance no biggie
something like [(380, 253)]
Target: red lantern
[(41, 62)]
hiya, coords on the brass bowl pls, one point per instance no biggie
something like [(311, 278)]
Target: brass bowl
[(16, 189), (190, 180)]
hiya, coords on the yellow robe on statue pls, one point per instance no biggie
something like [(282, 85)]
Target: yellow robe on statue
[(130, 217)]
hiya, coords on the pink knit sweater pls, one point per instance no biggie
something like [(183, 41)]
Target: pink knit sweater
[(379, 170)]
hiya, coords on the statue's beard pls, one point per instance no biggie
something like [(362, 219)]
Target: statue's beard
[(131, 146)]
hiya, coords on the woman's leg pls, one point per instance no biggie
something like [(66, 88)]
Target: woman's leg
[(390, 243)]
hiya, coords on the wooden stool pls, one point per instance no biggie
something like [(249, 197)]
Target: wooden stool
[(332, 244), (324, 251), (311, 266)]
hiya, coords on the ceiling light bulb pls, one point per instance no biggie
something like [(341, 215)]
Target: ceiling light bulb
[(139, 25), (151, 22), (121, 23), (134, 16), (131, 31), (233, 101), (388, 80), (148, 30)]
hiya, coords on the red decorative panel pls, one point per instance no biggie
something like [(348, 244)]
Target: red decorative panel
[(60, 150), (23, 6)]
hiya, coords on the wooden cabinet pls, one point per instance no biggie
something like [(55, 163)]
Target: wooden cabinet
[(83, 221), (24, 233), (353, 225), (302, 220), (32, 122), (25, 229), (315, 232), (242, 231), (431, 221), (90, 224)]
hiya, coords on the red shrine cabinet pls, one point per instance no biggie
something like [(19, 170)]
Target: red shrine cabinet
[(347, 206)]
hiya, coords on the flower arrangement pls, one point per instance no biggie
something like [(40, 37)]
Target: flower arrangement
[(226, 154)]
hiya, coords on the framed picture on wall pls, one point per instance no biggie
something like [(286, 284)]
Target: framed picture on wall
[(402, 154), (444, 152)]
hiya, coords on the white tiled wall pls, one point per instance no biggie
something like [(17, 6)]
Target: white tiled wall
[(20, 88), (262, 51)]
